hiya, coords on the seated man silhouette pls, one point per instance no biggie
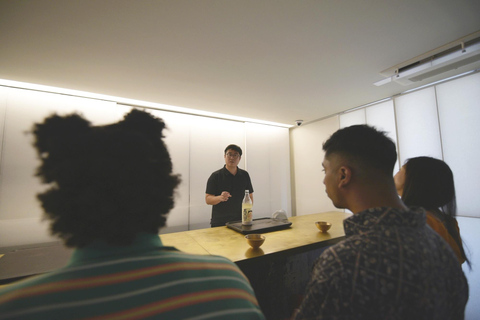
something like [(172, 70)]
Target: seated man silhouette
[(391, 264)]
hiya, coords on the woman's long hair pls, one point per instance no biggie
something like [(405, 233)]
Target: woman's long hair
[(429, 184)]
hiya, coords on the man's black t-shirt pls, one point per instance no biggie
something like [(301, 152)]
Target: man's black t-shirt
[(222, 180)]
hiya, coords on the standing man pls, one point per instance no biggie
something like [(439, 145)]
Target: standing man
[(391, 264), (226, 189)]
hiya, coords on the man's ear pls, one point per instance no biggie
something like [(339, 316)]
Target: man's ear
[(345, 175)]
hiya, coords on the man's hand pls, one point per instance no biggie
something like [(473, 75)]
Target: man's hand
[(213, 200), (224, 196)]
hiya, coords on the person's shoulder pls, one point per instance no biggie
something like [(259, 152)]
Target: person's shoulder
[(432, 217), (242, 171), (18, 287), (218, 172), (338, 253), (209, 262), (345, 253), (348, 246), (212, 259)]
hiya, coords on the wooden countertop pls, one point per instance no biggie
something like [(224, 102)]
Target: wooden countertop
[(303, 235), (300, 237)]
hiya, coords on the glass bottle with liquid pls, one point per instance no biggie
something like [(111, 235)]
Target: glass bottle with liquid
[(247, 210)]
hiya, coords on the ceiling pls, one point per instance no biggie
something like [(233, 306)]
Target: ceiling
[(264, 59)]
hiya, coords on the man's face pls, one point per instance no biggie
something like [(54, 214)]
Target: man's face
[(331, 166), (232, 158)]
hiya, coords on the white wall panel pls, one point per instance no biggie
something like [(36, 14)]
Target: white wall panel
[(268, 164), (459, 113), (417, 123), (306, 143), (208, 140), (18, 186), (382, 117), (3, 107), (352, 118), (469, 227), (177, 139)]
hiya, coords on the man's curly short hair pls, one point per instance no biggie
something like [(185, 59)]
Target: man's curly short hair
[(107, 182)]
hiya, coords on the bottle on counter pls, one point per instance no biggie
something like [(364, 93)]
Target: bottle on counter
[(247, 216)]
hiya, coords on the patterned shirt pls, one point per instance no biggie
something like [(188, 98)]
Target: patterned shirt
[(391, 266), (143, 281)]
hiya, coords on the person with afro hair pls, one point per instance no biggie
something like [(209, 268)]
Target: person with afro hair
[(110, 189)]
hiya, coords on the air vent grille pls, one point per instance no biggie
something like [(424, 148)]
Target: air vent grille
[(449, 60)]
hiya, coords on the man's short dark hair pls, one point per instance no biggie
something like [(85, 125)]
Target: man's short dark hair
[(233, 147), (364, 145), (106, 182)]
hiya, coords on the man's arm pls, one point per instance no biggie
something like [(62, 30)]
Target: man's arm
[(213, 200)]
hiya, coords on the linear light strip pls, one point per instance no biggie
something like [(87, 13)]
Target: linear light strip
[(133, 102)]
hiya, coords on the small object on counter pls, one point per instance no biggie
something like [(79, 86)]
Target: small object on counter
[(255, 240), (323, 226), (280, 215)]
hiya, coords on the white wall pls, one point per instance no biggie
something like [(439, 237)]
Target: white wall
[(209, 137), (20, 213), (380, 116), (177, 139), (417, 122), (469, 230), (195, 143), (459, 114), (306, 141), (352, 118), (268, 150), (3, 108)]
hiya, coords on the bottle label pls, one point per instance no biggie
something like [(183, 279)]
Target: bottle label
[(247, 216)]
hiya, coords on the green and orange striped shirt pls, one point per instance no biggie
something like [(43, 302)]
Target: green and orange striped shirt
[(143, 281)]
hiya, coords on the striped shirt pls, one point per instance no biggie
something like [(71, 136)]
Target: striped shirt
[(143, 281)]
